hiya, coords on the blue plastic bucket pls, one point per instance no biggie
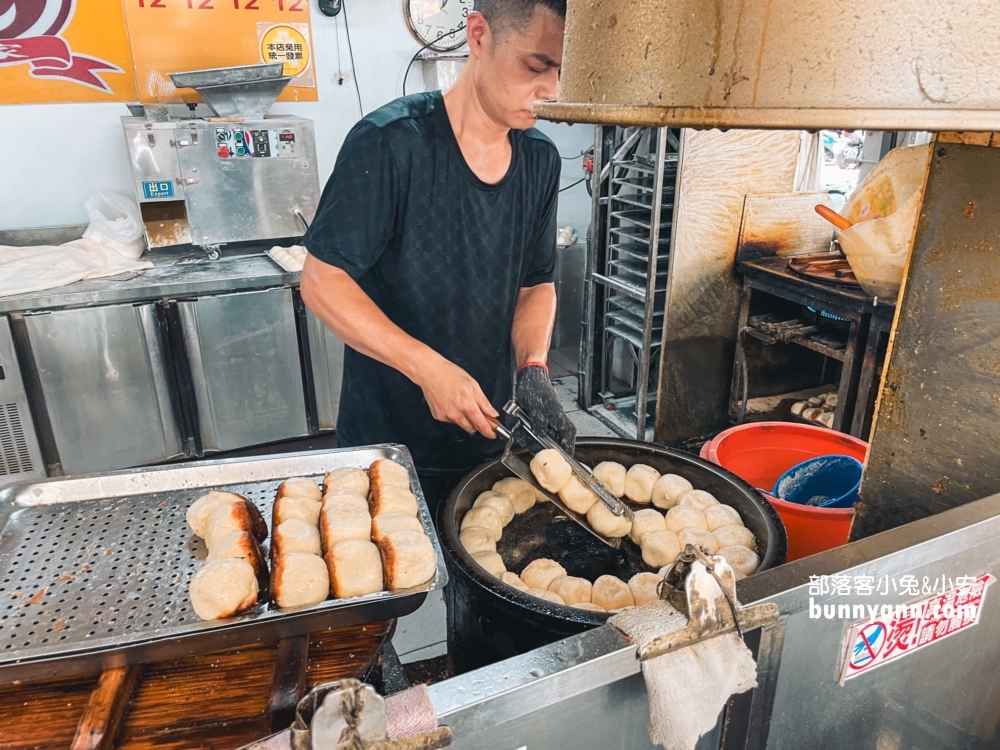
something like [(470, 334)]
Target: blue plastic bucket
[(822, 482)]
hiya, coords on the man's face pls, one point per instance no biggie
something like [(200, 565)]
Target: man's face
[(520, 69)]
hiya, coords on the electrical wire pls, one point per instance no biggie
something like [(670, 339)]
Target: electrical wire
[(430, 43), (573, 184), (571, 158), (354, 69)]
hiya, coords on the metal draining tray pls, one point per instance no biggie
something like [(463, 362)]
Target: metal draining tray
[(94, 569)]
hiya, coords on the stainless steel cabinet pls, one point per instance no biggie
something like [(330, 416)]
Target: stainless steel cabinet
[(327, 353), (244, 357), (20, 456), (105, 386)]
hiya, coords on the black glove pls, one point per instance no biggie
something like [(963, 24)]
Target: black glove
[(534, 393)]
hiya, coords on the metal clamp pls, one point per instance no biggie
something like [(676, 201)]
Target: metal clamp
[(706, 618), (582, 473)]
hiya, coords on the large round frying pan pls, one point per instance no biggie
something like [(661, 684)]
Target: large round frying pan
[(489, 621)]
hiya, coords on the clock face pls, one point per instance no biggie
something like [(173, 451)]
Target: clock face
[(430, 19)]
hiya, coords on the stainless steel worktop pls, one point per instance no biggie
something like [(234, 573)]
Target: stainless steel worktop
[(177, 273)]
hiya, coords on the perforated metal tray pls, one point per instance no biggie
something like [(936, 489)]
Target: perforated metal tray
[(94, 570)]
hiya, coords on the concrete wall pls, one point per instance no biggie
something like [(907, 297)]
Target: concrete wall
[(56, 156)]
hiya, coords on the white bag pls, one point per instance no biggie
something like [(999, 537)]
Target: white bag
[(116, 222)]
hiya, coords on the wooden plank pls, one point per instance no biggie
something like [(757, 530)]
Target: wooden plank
[(784, 224), (717, 171), (937, 425), (289, 684), (43, 715), (213, 701), (106, 708)]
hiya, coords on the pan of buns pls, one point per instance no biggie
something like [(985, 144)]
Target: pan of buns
[(524, 574), (158, 563)]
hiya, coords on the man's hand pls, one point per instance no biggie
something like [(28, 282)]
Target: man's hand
[(534, 393), (454, 396)]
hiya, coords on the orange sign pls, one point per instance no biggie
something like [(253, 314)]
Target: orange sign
[(64, 51), (174, 35)]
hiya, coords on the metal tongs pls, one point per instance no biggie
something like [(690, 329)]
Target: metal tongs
[(522, 470)]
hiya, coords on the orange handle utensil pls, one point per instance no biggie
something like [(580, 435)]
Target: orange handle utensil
[(833, 217)]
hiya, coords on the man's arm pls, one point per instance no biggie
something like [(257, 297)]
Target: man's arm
[(534, 317), (344, 307)]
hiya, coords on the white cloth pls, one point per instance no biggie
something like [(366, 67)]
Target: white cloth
[(687, 687), (32, 269)]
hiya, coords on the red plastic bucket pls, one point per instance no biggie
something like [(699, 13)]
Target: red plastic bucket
[(761, 452)]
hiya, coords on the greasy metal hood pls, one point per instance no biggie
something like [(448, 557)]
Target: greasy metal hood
[(852, 64)]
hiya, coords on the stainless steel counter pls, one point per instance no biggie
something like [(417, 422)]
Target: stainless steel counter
[(177, 273)]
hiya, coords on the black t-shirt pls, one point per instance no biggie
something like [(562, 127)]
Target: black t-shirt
[(443, 254)]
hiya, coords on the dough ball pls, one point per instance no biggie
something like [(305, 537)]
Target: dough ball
[(639, 483), (643, 587), (490, 562), (645, 520), (540, 497), (387, 523), (699, 538), (660, 548), (521, 494), (200, 510), (697, 499), (611, 474), (341, 522), (551, 469), (577, 496), (682, 517), (299, 578), (347, 478), (590, 607), (300, 487), (222, 588), (611, 593), (732, 535), (226, 518), (513, 579), (743, 561), (668, 488), (571, 589), (343, 495), (295, 535), (392, 499), (386, 472), (355, 568), (477, 539), (407, 559), (606, 523), (721, 515), (546, 595), (289, 507), (540, 573), (486, 518), (503, 505)]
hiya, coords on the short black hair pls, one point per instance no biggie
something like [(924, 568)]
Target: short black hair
[(506, 16)]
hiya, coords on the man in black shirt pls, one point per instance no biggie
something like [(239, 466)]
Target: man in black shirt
[(432, 252)]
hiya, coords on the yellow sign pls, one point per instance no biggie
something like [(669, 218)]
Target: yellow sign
[(174, 35), (288, 43), (64, 51)]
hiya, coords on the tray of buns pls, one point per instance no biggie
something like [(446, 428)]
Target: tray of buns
[(158, 563)]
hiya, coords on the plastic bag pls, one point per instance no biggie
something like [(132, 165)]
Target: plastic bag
[(115, 221), (884, 211)]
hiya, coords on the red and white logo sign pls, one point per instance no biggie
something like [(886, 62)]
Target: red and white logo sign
[(875, 642), (29, 35)]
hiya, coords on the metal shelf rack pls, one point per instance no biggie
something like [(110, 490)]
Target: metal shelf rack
[(634, 184)]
